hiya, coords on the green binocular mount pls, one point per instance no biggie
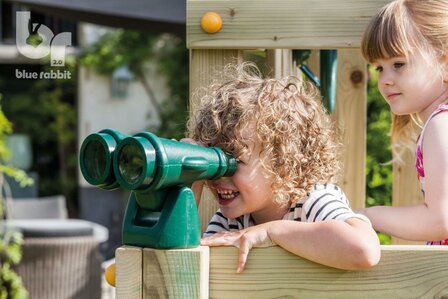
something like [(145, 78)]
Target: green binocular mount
[(161, 212)]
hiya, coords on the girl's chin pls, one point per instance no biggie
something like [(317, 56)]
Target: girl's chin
[(230, 212)]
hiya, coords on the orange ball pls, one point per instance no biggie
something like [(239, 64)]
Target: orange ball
[(211, 22), (110, 274)]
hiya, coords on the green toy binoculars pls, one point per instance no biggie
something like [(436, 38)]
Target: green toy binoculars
[(161, 211)]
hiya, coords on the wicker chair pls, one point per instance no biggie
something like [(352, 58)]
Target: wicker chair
[(61, 257), (61, 268)]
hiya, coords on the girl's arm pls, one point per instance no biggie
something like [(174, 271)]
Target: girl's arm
[(427, 221), (350, 244)]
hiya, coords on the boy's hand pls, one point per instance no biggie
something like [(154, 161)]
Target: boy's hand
[(255, 236)]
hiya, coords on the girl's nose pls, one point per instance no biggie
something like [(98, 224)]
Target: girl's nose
[(385, 78)]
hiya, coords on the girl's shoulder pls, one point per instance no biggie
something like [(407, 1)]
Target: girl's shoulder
[(327, 202), (322, 188), (324, 192), (436, 122)]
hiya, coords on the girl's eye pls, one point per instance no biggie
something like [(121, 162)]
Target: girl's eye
[(379, 69), (398, 65), (239, 161)]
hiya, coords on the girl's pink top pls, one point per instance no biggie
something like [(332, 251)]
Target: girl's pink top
[(419, 161)]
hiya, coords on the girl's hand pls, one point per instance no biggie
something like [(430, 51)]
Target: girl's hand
[(189, 140), (245, 240)]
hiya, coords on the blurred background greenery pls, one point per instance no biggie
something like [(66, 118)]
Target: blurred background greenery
[(379, 154)]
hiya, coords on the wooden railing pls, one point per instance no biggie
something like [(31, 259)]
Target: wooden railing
[(405, 271)]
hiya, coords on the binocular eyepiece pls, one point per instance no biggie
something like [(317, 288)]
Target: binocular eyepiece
[(109, 159)]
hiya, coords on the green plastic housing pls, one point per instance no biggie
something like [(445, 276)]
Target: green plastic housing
[(161, 212), (96, 158)]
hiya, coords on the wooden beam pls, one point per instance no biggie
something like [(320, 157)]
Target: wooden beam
[(181, 273), (275, 24), (403, 272), (411, 271)]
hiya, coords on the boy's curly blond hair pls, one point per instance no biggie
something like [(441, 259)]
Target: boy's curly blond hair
[(297, 137)]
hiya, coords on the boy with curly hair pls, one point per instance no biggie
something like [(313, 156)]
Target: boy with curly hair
[(283, 191)]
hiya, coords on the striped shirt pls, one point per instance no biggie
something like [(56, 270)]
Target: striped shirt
[(324, 202)]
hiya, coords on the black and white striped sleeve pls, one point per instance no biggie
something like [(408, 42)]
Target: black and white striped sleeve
[(218, 223), (328, 203)]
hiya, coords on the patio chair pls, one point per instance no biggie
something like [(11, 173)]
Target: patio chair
[(49, 207), (61, 268)]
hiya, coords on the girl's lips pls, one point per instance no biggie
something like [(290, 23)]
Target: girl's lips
[(226, 199), (392, 96)]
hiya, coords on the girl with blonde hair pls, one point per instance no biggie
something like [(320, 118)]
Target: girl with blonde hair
[(407, 42)]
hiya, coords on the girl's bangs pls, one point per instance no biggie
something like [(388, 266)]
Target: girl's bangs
[(385, 37)]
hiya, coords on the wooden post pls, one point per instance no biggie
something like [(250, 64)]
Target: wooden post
[(181, 273), (129, 265), (204, 65), (281, 64), (406, 188), (350, 114)]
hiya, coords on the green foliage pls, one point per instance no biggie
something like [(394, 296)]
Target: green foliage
[(134, 49), (11, 286), (120, 47), (379, 155), (18, 174)]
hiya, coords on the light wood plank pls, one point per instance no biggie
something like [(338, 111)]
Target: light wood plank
[(204, 67), (350, 114), (406, 188), (281, 64), (276, 24), (128, 271), (403, 272), (177, 273), (411, 271)]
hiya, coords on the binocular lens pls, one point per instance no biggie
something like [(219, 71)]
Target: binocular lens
[(94, 160), (131, 163)]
